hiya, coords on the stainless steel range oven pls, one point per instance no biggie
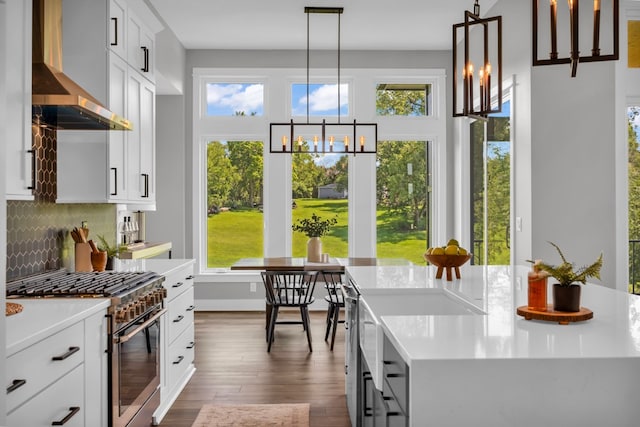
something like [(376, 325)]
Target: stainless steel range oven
[(135, 318)]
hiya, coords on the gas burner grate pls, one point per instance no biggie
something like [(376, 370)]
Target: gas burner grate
[(75, 284)]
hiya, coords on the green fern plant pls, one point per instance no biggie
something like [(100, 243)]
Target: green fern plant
[(314, 227), (565, 273), (112, 251)]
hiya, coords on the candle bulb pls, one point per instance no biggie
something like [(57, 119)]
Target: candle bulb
[(481, 77), (315, 143), (284, 143), (470, 73), (300, 143), (553, 11), (331, 143), (362, 143), (465, 91), (487, 86), (596, 28), (573, 21), (346, 143)]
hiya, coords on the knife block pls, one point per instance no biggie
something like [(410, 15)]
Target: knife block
[(83, 257)]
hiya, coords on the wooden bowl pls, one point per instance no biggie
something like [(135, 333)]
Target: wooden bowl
[(448, 262)]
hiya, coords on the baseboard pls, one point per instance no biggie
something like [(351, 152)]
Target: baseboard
[(164, 407), (244, 305)]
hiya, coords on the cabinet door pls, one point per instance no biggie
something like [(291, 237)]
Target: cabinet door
[(140, 47), (134, 89), (118, 179), (148, 141), (20, 181), (117, 24)]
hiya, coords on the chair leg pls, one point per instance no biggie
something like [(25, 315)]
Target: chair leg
[(304, 324), (336, 315), (306, 321), (329, 320), (272, 327)]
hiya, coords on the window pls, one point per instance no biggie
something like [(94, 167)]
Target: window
[(234, 201), (323, 99), (633, 138), (403, 99), (319, 185), (491, 189), (235, 99), (403, 193)]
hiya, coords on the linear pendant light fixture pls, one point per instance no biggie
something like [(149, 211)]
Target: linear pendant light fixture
[(323, 137), (481, 40), (564, 24)]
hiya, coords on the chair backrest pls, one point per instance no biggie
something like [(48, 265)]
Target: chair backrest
[(289, 287), (333, 281)]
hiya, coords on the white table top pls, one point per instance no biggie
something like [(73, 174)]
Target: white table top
[(614, 331)]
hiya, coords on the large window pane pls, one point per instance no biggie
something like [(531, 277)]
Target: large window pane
[(633, 139), (403, 99), (234, 201), (319, 185), (403, 199), (235, 99)]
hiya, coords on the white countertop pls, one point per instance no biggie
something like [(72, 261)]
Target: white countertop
[(614, 331), (42, 317)]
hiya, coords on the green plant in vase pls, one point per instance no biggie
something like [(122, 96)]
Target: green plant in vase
[(566, 292), (112, 251), (314, 228)]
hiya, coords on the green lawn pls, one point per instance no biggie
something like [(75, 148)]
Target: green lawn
[(238, 234)]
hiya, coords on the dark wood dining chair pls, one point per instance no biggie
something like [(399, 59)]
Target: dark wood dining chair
[(333, 281), (288, 289)]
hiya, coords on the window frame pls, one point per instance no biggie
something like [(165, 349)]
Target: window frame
[(277, 167)]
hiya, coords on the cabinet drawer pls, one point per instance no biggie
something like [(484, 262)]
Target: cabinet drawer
[(36, 365), (396, 374), (178, 282), (54, 404), (180, 314), (180, 356), (394, 415)]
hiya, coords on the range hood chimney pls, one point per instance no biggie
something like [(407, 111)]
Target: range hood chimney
[(57, 101)]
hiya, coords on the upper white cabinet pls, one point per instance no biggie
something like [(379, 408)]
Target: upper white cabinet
[(19, 156), (109, 66)]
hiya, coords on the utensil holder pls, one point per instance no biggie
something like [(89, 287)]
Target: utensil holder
[(83, 257)]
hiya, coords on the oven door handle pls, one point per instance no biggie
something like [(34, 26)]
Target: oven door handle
[(141, 327)]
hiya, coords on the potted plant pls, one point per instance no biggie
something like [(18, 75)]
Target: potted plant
[(112, 251), (566, 293), (314, 228)]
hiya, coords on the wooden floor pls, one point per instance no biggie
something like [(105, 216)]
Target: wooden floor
[(233, 366)]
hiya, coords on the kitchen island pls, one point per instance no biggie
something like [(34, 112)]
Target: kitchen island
[(484, 365)]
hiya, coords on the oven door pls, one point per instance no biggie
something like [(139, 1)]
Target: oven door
[(135, 371)]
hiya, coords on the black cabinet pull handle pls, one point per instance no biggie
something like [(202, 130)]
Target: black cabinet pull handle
[(178, 319), (146, 184), (394, 375), (189, 277), (16, 384), (393, 414), (191, 344), (180, 358), (145, 68), (67, 354), (177, 285), (115, 28), (191, 307), (115, 181), (33, 170), (72, 411)]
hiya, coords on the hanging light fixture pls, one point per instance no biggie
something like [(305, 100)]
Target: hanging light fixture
[(323, 137), (481, 39), (543, 33)]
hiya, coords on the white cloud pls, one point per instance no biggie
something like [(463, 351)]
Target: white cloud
[(237, 97), (324, 98)]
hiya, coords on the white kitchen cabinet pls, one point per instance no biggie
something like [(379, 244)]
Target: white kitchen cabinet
[(179, 340), (140, 46), (19, 156), (128, 173), (58, 373)]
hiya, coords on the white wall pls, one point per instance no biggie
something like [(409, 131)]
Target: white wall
[(4, 38)]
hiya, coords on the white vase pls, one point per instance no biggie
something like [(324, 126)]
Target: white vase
[(314, 249)]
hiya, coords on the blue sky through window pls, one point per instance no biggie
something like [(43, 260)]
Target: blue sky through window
[(323, 99), (229, 99)]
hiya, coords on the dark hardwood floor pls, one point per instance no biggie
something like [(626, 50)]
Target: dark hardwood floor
[(233, 366)]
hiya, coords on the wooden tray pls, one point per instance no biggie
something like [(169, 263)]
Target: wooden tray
[(562, 317), (12, 308)]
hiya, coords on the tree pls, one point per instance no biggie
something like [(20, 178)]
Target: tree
[(246, 158), (220, 174), (305, 175), (401, 102)]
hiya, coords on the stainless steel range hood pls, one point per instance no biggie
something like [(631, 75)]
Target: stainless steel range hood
[(57, 101)]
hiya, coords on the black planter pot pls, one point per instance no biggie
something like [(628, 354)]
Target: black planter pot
[(566, 298), (109, 263)]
